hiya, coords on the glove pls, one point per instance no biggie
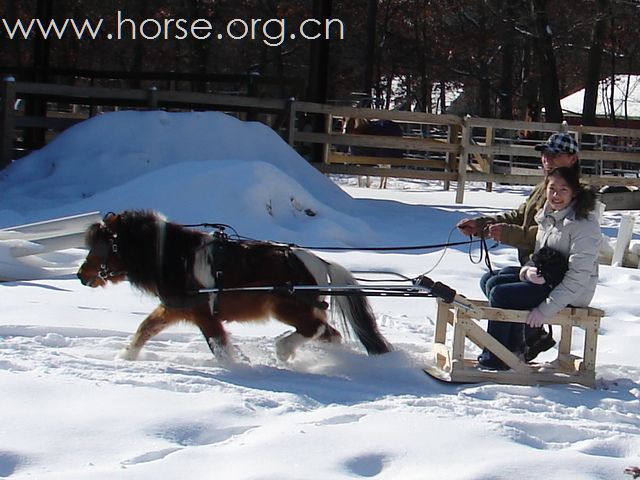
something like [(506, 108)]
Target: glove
[(536, 318), (530, 274)]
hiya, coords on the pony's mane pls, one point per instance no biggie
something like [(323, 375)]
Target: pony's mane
[(158, 255)]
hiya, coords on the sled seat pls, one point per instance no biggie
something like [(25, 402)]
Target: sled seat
[(451, 364)]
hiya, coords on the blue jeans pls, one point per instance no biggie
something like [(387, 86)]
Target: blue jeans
[(505, 290)]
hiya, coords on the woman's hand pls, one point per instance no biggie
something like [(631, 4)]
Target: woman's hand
[(530, 274), (536, 318)]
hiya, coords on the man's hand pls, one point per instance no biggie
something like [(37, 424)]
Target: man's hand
[(495, 231), (536, 318), (530, 274), (468, 227)]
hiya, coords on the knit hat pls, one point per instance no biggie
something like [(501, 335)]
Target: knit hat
[(560, 142)]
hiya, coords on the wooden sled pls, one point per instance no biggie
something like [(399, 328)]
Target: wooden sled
[(450, 364)]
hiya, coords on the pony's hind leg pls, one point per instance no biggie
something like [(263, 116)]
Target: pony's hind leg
[(310, 323), (157, 321)]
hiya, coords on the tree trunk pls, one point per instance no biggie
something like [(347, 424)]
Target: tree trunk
[(549, 84), (36, 107), (506, 78), (370, 49), (319, 72), (594, 64), (319, 62)]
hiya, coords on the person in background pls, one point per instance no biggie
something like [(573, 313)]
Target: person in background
[(518, 228), (568, 225)]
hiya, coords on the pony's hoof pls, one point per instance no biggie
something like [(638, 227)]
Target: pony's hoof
[(221, 352), (283, 354), (287, 344), (128, 354)]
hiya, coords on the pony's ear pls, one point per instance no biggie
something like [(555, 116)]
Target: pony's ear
[(110, 219)]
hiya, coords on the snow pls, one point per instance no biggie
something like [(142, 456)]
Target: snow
[(626, 87), (73, 409)]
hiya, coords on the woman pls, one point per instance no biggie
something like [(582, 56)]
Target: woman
[(568, 225)]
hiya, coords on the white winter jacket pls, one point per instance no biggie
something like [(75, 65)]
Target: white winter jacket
[(579, 240)]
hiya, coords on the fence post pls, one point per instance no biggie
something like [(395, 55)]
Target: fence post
[(464, 159), (292, 122), (328, 128), (489, 138), (624, 238), (152, 98), (454, 131), (7, 107)]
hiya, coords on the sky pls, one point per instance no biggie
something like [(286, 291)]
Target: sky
[(72, 408)]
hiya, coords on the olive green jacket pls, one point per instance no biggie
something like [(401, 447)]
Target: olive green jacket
[(521, 228)]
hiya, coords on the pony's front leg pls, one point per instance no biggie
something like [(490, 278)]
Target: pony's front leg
[(215, 335), (157, 321)]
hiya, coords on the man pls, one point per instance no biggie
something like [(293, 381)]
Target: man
[(518, 228)]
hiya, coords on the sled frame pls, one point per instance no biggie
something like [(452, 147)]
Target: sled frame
[(451, 365)]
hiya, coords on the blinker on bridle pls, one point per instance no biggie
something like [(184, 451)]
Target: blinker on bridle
[(103, 251)]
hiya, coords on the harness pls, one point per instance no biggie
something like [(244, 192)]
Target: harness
[(217, 255), (191, 296), (218, 252)]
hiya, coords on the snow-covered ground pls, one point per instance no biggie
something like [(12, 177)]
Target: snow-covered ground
[(70, 408)]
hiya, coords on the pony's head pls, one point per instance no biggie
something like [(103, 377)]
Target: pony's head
[(103, 263)]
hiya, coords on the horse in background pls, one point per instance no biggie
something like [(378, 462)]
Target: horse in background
[(361, 126), (173, 263), (533, 113)]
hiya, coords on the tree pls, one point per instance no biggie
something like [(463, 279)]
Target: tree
[(319, 56), (370, 50), (594, 64), (549, 84)]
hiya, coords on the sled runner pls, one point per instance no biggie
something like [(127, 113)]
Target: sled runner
[(452, 364)]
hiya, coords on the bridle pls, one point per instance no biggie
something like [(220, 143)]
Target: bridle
[(105, 250)]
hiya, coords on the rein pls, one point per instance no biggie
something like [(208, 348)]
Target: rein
[(484, 249), (484, 253)]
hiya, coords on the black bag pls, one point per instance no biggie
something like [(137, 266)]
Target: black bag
[(551, 264)]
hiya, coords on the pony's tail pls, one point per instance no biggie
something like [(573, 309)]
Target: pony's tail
[(357, 311)]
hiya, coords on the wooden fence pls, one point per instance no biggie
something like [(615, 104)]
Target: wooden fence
[(447, 148), (466, 149)]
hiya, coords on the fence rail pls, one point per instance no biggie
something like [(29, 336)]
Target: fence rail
[(448, 148)]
